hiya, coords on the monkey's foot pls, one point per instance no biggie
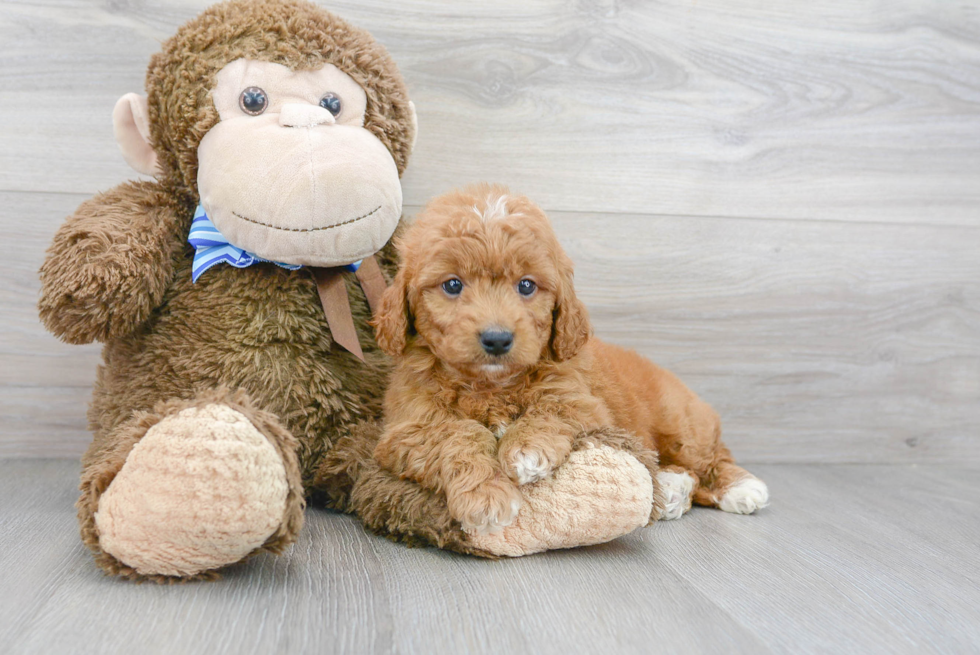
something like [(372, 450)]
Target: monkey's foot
[(202, 489), (599, 494)]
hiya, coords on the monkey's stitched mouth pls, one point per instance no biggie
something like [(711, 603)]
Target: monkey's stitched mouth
[(312, 229)]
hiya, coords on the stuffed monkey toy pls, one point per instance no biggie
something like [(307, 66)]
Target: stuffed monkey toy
[(232, 294)]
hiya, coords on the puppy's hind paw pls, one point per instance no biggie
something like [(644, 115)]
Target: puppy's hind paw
[(678, 490), (745, 496)]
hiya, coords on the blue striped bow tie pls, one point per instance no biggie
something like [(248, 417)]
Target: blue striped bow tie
[(211, 248)]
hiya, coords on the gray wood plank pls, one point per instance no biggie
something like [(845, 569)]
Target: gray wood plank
[(337, 590), (44, 421), (46, 384), (816, 340), (849, 574), (858, 559), (827, 109), (29, 355)]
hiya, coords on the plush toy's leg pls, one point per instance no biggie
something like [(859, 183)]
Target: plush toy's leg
[(191, 487), (606, 489)]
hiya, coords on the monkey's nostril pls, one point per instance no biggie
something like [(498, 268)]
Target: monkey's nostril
[(496, 342)]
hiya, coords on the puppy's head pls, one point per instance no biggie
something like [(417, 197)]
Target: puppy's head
[(484, 285)]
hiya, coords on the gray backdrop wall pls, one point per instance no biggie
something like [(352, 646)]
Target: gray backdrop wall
[(779, 201)]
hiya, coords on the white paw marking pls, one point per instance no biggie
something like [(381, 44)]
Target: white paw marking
[(745, 496), (530, 466), (493, 522), (677, 490)]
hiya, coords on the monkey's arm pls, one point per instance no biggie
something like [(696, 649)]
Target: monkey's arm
[(110, 263)]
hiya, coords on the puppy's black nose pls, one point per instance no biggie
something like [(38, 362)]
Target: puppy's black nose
[(496, 342)]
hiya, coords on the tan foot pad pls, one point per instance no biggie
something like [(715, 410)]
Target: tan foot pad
[(597, 495), (202, 489)]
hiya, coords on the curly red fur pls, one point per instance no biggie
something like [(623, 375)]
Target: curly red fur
[(464, 422)]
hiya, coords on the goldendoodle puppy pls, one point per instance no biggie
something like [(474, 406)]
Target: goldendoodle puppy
[(497, 370)]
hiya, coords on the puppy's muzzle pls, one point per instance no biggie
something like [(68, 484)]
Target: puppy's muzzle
[(496, 342)]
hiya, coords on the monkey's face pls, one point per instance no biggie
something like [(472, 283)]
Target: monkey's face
[(290, 173)]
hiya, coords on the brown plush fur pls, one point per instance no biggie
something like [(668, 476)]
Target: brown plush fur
[(119, 270), (450, 401)]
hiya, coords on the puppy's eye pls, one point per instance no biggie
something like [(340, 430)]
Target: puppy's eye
[(526, 287), (453, 287), (253, 101)]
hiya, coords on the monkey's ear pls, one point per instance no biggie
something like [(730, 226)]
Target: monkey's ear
[(393, 321), (131, 125), (415, 127)]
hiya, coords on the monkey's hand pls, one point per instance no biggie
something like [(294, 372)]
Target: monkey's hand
[(110, 263)]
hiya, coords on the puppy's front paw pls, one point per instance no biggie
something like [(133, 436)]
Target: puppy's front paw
[(527, 465), (489, 508)]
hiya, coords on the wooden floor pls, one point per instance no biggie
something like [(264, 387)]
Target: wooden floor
[(848, 559)]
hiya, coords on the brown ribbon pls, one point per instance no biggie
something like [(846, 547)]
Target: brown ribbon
[(336, 304), (372, 281)]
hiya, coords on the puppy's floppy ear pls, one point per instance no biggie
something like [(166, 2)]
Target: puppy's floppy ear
[(570, 326), (393, 320)]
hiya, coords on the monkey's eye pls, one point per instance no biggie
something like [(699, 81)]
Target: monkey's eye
[(526, 287), (453, 287), (331, 102), (253, 101)]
